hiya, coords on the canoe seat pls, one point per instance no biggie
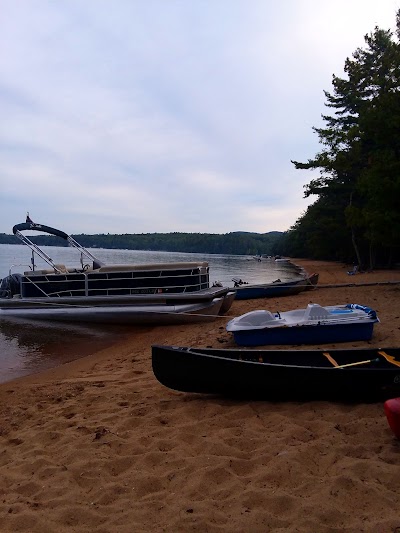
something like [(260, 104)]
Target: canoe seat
[(42, 272), (389, 358), (330, 358)]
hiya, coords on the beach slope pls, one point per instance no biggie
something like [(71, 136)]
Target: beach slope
[(99, 445)]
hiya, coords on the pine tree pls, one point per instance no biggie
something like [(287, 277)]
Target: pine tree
[(360, 158)]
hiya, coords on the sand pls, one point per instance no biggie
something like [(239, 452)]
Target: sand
[(99, 445)]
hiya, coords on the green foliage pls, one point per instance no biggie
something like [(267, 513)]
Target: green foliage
[(236, 243), (8, 239), (317, 234), (359, 185)]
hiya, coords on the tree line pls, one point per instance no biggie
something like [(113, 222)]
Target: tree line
[(356, 216), (235, 243)]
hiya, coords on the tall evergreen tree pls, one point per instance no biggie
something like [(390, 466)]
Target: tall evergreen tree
[(359, 161)]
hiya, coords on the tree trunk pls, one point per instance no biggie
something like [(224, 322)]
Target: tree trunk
[(356, 250), (371, 256), (353, 236)]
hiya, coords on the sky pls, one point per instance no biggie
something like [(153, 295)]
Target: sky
[(142, 116)]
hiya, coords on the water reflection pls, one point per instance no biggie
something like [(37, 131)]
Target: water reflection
[(29, 347)]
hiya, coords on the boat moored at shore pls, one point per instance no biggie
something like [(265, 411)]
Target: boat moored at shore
[(313, 325), (246, 291), (96, 292), (357, 374)]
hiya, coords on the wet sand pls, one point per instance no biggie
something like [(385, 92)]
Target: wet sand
[(31, 347), (99, 445)]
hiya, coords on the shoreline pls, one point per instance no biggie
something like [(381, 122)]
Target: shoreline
[(98, 444), (335, 286)]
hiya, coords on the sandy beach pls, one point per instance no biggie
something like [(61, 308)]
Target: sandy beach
[(99, 445)]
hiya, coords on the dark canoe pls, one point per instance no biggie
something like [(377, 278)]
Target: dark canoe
[(357, 375), (277, 288)]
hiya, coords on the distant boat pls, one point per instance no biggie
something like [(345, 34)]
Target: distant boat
[(358, 375), (245, 291), (313, 325), (98, 293), (263, 257)]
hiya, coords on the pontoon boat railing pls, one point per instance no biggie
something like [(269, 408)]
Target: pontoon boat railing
[(90, 284), (18, 228)]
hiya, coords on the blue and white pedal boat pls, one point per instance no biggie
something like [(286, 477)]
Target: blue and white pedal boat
[(313, 325)]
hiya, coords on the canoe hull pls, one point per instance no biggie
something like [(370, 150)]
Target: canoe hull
[(277, 374)]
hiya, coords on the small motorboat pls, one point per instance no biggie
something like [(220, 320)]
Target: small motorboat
[(357, 374), (98, 293), (245, 291), (313, 325), (263, 257)]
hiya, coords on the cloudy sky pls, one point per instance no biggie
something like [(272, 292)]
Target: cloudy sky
[(139, 116)]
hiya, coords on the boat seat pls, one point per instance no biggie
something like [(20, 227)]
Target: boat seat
[(43, 272), (330, 358), (389, 358), (315, 312), (257, 318), (155, 266), (61, 268)]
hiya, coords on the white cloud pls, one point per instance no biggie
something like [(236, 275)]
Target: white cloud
[(167, 116)]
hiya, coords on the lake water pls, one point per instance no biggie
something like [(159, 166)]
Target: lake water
[(29, 347)]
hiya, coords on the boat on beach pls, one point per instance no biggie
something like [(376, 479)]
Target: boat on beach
[(245, 291), (109, 293), (357, 374), (313, 325)]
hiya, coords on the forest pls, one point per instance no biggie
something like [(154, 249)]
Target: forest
[(356, 215), (236, 243)]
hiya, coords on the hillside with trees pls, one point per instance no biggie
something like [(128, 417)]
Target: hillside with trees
[(235, 243), (356, 216)]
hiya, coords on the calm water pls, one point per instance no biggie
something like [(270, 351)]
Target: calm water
[(29, 347)]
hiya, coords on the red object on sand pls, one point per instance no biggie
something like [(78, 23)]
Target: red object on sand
[(392, 411)]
